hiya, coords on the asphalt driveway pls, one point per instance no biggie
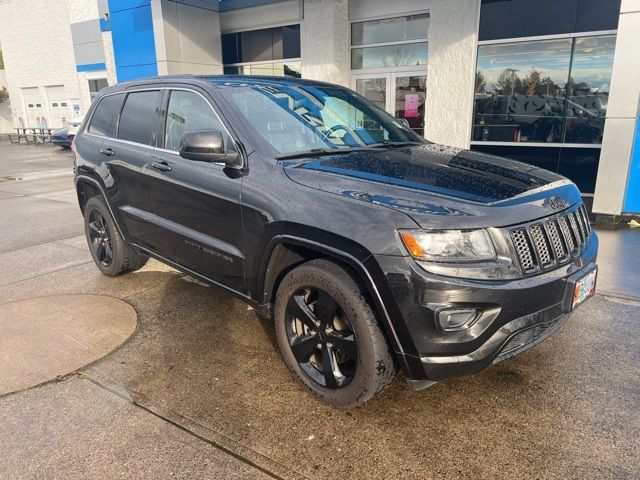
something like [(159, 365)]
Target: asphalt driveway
[(200, 389)]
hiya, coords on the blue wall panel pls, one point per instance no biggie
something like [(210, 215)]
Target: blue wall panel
[(134, 47), (632, 201), (90, 67)]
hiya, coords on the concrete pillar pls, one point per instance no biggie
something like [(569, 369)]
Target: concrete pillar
[(325, 40), (622, 111), (187, 38), (453, 38)]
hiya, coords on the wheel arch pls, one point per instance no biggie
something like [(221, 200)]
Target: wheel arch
[(88, 187), (285, 252)]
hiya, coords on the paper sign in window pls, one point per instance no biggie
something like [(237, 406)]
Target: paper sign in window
[(411, 105)]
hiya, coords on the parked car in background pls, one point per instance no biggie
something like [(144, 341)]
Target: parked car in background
[(63, 137), (371, 249)]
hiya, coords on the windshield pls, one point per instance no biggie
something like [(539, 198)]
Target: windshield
[(298, 118)]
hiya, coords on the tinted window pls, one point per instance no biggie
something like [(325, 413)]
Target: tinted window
[(580, 165), (389, 56), (188, 111), (525, 18), (103, 121), (588, 89), (550, 91), (294, 118), (261, 45), (138, 118), (387, 30)]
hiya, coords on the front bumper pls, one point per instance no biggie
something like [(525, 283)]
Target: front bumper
[(515, 315)]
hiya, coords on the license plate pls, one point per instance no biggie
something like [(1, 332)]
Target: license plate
[(585, 288)]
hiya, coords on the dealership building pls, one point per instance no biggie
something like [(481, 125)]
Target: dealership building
[(553, 83)]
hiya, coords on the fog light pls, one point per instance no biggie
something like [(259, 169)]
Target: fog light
[(456, 320)]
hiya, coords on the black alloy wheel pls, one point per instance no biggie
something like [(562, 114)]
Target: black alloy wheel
[(321, 337), (329, 336), (100, 238)]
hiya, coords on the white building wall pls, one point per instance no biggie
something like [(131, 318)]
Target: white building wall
[(38, 52), (6, 116), (622, 111), (325, 41), (453, 39)]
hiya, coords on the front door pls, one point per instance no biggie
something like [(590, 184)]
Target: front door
[(196, 204), (400, 93)]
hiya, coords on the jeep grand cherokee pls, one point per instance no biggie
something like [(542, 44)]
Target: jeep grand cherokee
[(371, 248)]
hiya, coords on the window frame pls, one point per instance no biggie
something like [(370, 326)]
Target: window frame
[(90, 120), (155, 127), (502, 41), (163, 120), (363, 46), (282, 61)]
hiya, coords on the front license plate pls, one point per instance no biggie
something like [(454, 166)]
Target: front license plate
[(585, 288)]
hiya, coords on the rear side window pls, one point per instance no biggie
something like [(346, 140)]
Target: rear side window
[(103, 121), (138, 117)]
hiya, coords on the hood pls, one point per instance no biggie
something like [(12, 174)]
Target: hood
[(438, 186)]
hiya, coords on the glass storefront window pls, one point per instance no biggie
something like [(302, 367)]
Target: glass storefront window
[(520, 91), (402, 55), (413, 27), (550, 91), (588, 89), (288, 69), (261, 45)]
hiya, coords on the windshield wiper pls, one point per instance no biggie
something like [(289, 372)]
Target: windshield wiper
[(316, 152), (390, 143)]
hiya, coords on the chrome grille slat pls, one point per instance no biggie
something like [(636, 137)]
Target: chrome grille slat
[(523, 250), (574, 229), (539, 238), (581, 225), (585, 217), (556, 240), (566, 233), (544, 244)]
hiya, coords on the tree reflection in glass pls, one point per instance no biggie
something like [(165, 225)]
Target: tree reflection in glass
[(525, 91)]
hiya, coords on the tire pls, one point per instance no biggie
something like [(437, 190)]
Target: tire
[(360, 374), (109, 251)]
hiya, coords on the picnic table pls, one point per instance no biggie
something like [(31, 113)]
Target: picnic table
[(31, 135)]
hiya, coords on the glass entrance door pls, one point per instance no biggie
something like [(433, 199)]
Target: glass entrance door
[(402, 94)]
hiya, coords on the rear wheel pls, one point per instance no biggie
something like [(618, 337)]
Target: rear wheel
[(329, 336), (109, 251)]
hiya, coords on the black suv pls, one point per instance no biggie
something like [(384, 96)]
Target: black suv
[(372, 249)]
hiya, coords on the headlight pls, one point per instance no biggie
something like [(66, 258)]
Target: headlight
[(449, 245)]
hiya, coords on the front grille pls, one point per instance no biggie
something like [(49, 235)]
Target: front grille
[(546, 244)]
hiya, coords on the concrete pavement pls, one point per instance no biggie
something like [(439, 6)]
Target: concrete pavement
[(202, 384)]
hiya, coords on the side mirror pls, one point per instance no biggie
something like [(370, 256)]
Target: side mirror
[(404, 122), (208, 146)]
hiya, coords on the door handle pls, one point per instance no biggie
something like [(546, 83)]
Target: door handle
[(107, 151), (162, 166)]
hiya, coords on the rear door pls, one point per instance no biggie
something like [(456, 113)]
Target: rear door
[(128, 156), (197, 204)]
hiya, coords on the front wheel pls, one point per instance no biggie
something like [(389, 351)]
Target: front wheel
[(329, 337)]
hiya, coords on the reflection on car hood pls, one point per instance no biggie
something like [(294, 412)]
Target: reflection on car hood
[(433, 183)]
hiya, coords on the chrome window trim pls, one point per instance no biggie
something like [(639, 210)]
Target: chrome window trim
[(536, 144), (557, 36), (151, 147)]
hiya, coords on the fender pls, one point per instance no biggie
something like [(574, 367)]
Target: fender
[(90, 180), (364, 268)]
